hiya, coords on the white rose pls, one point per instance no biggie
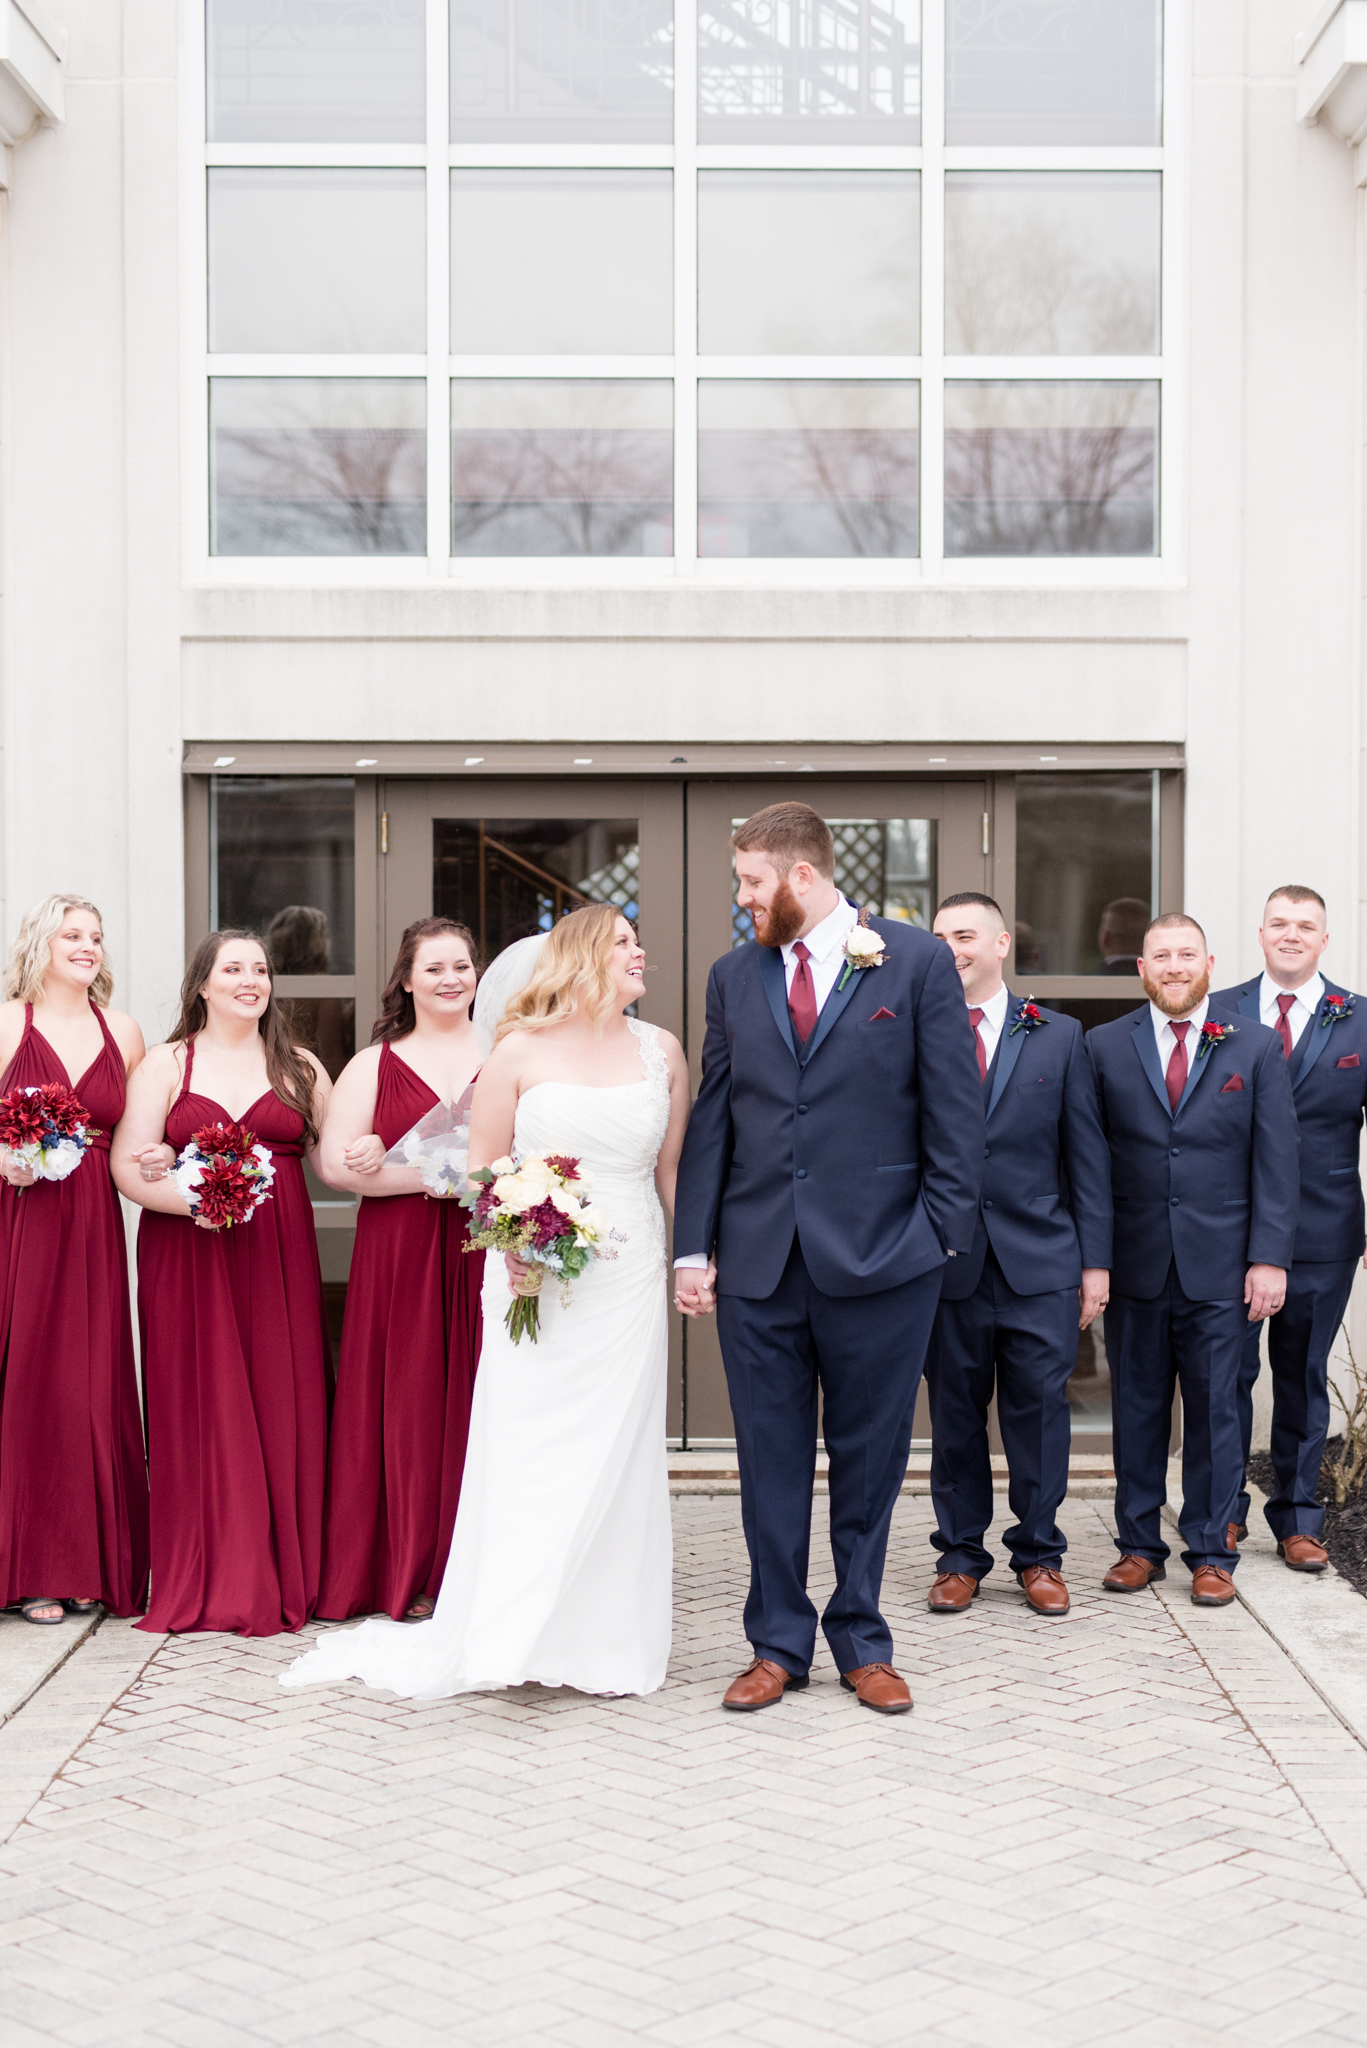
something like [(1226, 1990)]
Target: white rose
[(502, 1166), (59, 1160), (189, 1174), (862, 944), (512, 1194)]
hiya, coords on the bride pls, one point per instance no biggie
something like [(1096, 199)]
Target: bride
[(560, 1564)]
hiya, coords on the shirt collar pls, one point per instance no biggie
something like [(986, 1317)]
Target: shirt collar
[(994, 1009), (1310, 992), (1196, 1019), (825, 938)]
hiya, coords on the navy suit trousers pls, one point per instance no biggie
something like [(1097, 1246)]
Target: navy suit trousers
[(1299, 1339), (1154, 1347), (865, 1351), (1027, 1344)]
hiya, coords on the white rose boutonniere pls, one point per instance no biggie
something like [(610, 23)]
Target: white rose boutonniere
[(863, 948)]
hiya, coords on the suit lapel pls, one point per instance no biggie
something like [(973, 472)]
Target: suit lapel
[(1249, 1005), (1145, 1046), (775, 983), (1314, 1037), (1008, 1052), (830, 1011)]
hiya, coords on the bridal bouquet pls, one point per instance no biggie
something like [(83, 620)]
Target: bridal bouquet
[(224, 1174), (538, 1207), (46, 1129)]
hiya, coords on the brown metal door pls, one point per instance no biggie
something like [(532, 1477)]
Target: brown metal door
[(900, 847)]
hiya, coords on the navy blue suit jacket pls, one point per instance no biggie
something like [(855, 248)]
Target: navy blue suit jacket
[(1046, 1200), (1328, 1068), (868, 1143), (1214, 1186)]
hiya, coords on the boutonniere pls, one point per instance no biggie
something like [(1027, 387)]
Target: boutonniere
[(1027, 1016), (1214, 1034), (863, 948), (1336, 1008)]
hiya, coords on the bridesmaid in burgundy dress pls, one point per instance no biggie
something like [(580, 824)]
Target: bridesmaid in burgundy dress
[(410, 1340), (73, 1478), (234, 1339)]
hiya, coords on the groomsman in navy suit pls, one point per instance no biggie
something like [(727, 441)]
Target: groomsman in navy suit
[(1196, 1104), (1323, 1033), (1036, 1273)]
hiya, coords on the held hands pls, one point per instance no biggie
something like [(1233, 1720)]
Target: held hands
[(695, 1290), (154, 1162), (1093, 1294), (1264, 1291)]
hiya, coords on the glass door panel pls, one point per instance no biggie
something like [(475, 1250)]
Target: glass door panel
[(900, 847)]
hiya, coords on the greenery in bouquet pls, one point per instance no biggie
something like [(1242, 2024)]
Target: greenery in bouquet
[(538, 1207)]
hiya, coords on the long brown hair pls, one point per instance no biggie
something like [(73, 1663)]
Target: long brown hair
[(291, 1076), (398, 1012)]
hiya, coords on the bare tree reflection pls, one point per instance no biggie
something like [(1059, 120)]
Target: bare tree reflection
[(297, 487), (1031, 282), (1019, 486), (817, 488), (588, 487)]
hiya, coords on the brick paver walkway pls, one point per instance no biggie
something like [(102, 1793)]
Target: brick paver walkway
[(1139, 1825)]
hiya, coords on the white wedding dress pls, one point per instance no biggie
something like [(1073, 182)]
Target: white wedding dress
[(561, 1561)]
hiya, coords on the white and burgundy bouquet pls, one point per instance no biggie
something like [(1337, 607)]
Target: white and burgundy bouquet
[(224, 1175), (538, 1207), (46, 1129)]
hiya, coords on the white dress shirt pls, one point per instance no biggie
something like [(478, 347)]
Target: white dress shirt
[(825, 942), (993, 1020), (1301, 1011), (1166, 1037)]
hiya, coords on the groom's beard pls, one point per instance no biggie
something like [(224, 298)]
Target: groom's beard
[(782, 921), (1174, 1002)]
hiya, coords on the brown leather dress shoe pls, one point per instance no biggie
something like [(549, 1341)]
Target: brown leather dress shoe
[(952, 1593), (763, 1685), (1304, 1553), (1132, 1574), (1211, 1587), (1043, 1587), (1237, 1533), (879, 1687)]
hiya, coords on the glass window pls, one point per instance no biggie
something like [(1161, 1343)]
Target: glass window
[(1053, 71), (1052, 262), (809, 262), (544, 466), (283, 863), (1051, 469), (808, 468), (508, 877), (316, 70), (886, 865), (317, 466), (562, 70), (1084, 871), (822, 71), (562, 262), (311, 260)]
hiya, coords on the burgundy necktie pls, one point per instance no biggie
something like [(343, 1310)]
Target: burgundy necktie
[(1177, 1065), (802, 996), (1282, 1027), (975, 1018)]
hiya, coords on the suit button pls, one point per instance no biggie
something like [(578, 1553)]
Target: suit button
[(1175, 1200), (987, 1205), (802, 1173), (802, 1109), (987, 1152), (1175, 1150)]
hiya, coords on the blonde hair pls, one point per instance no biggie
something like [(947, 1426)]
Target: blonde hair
[(571, 968), (31, 954)]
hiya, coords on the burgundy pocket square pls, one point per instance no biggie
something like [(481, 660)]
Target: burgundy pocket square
[(1234, 1085), (893, 1014), (1351, 1061)]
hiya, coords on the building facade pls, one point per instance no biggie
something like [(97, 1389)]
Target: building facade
[(419, 493)]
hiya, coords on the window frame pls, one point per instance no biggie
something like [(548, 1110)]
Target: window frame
[(931, 368)]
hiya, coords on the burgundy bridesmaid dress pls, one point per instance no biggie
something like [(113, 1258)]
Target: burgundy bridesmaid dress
[(405, 1380), (73, 1477), (234, 1344)]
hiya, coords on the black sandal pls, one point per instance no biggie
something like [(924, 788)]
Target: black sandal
[(29, 1610)]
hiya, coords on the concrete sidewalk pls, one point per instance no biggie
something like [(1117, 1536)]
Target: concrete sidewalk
[(1136, 1825)]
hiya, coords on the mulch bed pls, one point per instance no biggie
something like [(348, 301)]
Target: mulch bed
[(1345, 1528)]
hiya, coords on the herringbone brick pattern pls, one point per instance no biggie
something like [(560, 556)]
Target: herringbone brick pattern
[(1103, 1829)]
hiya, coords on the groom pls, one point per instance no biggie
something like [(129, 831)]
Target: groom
[(831, 1163)]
